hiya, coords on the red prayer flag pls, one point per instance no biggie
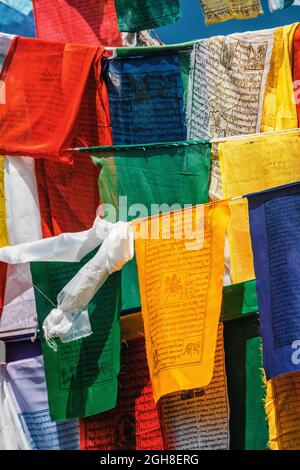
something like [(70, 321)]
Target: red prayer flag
[(134, 423), (86, 21), (44, 87), (68, 195)]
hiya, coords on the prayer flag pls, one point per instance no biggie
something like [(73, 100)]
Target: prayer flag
[(275, 235), (247, 165), (180, 257), (87, 22), (3, 234), (68, 195), (296, 70), (134, 423), (246, 388), (223, 10), (283, 411), (279, 108), (26, 382), (239, 299), (12, 436), (145, 98), (82, 375), (243, 61), (232, 104), (138, 182), (199, 419), (40, 110), (137, 15)]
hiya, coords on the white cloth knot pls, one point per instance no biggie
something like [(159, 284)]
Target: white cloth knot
[(70, 320)]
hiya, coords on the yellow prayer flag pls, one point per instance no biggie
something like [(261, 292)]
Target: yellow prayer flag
[(283, 412), (180, 269), (279, 108), (214, 12), (248, 165), (241, 262), (3, 225)]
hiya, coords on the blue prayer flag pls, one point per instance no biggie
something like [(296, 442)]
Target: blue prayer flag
[(274, 217), (146, 98)]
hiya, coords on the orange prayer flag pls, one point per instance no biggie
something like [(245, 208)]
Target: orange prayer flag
[(180, 268), (283, 411)]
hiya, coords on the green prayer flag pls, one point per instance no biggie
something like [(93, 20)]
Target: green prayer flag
[(239, 299), (246, 389), (82, 375), (162, 174), (138, 15), (149, 50)]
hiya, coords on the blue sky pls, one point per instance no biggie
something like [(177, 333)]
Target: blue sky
[(191, 25)]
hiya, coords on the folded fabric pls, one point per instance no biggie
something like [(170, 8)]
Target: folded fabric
[(27, 387), (64, 247), (275, 234), (23, 225), (40, 113), (70, 321), (19, 309), (223, 10), (22, 205), (66, 321), (5, 40), (12, 436), (280, 4)]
